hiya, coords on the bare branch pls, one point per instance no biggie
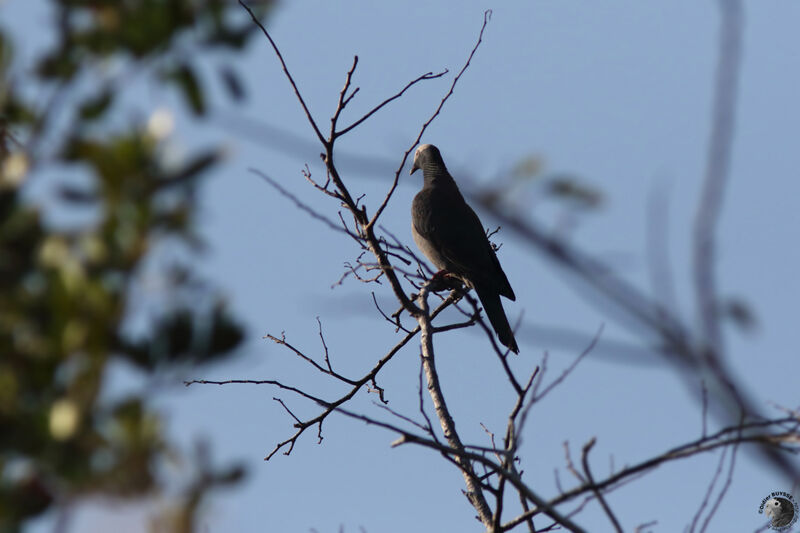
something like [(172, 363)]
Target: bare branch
[(676, 341), (571, 367), (405, 418), (272, 382), (585, 461), (704, 399), (393, 321), (302, 206), (285, 71), (329, 371), (487, 15), (786, 439), (324, 346), (342, 101), (422, 403), (725, 487), (332, 406), (641, 527), (287, 409), (728, 436), (306, 172), (571, 465), (426, 76), (474, 492), (465, 455), (456, 325)]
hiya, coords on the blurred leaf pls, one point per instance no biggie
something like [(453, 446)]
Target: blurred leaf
[(58, 65), (226, 333), (529, 167), (14, 111), (67, 293), (20, 234), (77, 196), (94, 108), (193, 168), (232, 83), (234, 38), (569, 188), (740, 313), (22, 498), (186, 80), (185, 336)]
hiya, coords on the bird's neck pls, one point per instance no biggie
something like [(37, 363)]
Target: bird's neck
[(437, 175)]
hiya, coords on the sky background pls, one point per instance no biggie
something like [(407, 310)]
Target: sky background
[(616, 94)]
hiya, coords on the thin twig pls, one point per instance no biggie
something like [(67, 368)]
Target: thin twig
[(287, 409), (285, 71), (272, 382), (329, 371), (724, 489), (324, 346), (329, 407), (572, 366), (302, 206), (571, 465), (728, 436), (585, 461), (342, 100), (487, 15), (426, 76), (464, 455)]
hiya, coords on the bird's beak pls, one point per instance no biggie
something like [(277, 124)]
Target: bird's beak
[(414, 168)]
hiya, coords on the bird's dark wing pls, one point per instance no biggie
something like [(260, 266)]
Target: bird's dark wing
[(441, 216)]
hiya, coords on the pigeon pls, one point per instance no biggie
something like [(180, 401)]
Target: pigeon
[(452, 237)]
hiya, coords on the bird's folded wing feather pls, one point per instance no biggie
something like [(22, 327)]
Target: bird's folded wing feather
[(443, 217)]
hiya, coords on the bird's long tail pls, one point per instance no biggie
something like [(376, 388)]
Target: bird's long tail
[(490, 299)]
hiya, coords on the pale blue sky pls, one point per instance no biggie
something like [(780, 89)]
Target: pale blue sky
[(617, 93)]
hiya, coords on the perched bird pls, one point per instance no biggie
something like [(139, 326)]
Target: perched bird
[(451, 235)]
